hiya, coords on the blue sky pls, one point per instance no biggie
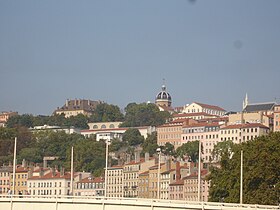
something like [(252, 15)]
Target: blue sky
[(118, 51)]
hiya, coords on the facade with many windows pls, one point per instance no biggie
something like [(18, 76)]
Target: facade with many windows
[(90, 186), (276, 118), (243, 132), (5, 172), (115, 181)]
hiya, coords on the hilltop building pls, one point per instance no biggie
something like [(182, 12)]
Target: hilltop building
[(77, 106), (196, 107), (163, 100)]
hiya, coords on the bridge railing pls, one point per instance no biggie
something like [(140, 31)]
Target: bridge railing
[(130, 201)]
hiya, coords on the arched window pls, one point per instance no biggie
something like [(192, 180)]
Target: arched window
[(112, 126), (103, 126)]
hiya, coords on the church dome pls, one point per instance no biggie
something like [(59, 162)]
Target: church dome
[(163, 97)]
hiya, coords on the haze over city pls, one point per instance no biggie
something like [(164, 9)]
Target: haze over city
[(212, 52)]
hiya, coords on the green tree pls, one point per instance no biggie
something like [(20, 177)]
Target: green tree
[(168, 149), (106, 113), (150, 144), (132, 137), (144, 115), (189, 151), (25, 120), (79, 121), (261, 172)]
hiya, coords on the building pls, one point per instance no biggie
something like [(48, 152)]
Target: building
[(266, 108), (70, 130), (90, 186), (22, 174), (143, 185), (4, 116), (171, 132), (110, 133), (5, 172), (250, 117), (77, 106), (242, 132), (176, 190), (163, 98), (206, 133), (196, 107), (191, 187), (115, 181), (276, 117), (103, 125), (195, 116), (52, 182), (131, 171)]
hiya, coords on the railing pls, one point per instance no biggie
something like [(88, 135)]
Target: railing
[(175, 204)]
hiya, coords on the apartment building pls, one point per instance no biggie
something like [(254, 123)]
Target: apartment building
[(195, 116), (276, 117), (143, 185), (5, 172), (115, 181), (242, 132), (90, 186), (131, 173), (176, 191), (171, 132), (206, 133), (191, 187), (196, 107), (4, 116), (22, 173)]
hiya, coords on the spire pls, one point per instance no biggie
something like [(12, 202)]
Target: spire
[(246, 101), (163, 87)]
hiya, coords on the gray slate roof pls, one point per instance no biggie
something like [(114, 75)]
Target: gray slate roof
[(259, 107)]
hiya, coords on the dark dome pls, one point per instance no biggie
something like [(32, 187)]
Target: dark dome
[(163, 95)]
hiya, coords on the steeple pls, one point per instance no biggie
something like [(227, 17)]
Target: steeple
[(246, 101)]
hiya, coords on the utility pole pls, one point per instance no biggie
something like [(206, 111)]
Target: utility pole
[(14, 166), (199, 170), (241, 177)]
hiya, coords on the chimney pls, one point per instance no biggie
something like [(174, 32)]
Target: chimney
[(168, 163), (41, 172), (242, 118), (23, 163), (147, 156), (178, 171), (62, 172), (128, 158), (137, 156), (53, 172)]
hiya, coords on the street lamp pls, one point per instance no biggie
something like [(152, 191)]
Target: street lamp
[(106, 167), (158, 188)]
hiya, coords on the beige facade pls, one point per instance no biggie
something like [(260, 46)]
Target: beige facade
[(171, 132), (76, 107), (243, 132), (276, 117), (115, 181), (249, 117), (5, 172), (89, 186), (195, 116), (103, 125), (143, 185), (131, 173), (196, 107), (206, 133), (4, 116), (191, 187), (21, 176), (177, 190)]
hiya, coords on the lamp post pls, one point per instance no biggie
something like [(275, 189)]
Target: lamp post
[(241, 177), (199, 171), (14, 166), (158, 184), (106, 167)]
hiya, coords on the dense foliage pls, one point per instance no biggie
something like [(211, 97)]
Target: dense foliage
[(188, 151), (106, 113), (144, 115), (79, 121), (261, 172)]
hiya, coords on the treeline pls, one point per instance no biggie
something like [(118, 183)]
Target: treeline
[(261, 171), (135, 115)]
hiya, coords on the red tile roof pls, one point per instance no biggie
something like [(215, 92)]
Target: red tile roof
[(247, 125), (179, 182), (210, 106), (203, 124), (57, 175), (92, 180)]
